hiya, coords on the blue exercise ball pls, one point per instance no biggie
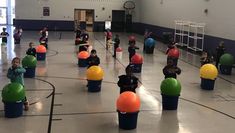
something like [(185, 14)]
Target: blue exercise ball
[(150, 42)]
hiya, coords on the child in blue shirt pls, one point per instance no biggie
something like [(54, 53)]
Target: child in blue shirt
[(15, 74)]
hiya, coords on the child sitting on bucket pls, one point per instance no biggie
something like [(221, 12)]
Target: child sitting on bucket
[(93, 59), (128, 82), (31, 50), (131, 50), (15, 74), (170, 70)]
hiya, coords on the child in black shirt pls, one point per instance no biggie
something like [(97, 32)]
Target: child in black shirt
[(31, 50), (116, 44), (128, 82), (131, 50), (170, 70), (4, 35), (219, 52), (93, 59), (205, 58)]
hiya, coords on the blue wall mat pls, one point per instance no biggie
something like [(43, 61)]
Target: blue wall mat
[(210, 42), (39, 24), (98, 26)]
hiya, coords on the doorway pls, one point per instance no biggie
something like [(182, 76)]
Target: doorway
[(84, 18), (118, 20)]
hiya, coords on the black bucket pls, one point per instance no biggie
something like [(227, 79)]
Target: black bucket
[(41, 56), (13, 109), (207, 84), (169, 102), (149, 50), (127, 121), (30, 73), (227, 70), (94, 85)]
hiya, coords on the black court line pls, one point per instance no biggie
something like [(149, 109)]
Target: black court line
[(52, 104), (56, 53), (230, 116), (180, 97), (37, 90), (58, 93), (58, 119), (190, 101), (82, 113), (74, 78), (57, 104)]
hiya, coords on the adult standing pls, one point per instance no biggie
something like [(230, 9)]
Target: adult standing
[(219, 52)]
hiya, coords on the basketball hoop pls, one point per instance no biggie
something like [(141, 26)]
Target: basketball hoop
[(129, 6)]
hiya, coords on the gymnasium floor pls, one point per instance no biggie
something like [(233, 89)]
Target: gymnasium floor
[(60, 103)]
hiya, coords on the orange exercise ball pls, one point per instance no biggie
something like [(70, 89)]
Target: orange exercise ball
[(137, 59), (128, 102), (174, 53), (41, 49), (83, 55)]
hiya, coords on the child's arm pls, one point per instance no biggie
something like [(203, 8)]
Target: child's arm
[(137, 47), (135, 83), (10, 73), (178, 70), (98, 61), (165, 71), (121, 81), (20, 70)]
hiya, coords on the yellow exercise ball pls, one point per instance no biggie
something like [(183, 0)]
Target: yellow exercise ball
[(208, 71), (94, 73)]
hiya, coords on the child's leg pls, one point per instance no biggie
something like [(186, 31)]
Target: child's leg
[(26, 104), (130, 58), (114, 51)]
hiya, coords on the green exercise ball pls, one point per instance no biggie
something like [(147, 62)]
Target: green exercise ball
[(13, 92), (226, 59), (170, 87), (29, 61)]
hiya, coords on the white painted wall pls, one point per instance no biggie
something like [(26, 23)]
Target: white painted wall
[(220, 20), (64, 9)]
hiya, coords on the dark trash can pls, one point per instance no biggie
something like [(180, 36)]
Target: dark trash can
[(127, 121), (224, 69), (94, 85), (13, 109), (207, 84), (30, 72), (169, 102)]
